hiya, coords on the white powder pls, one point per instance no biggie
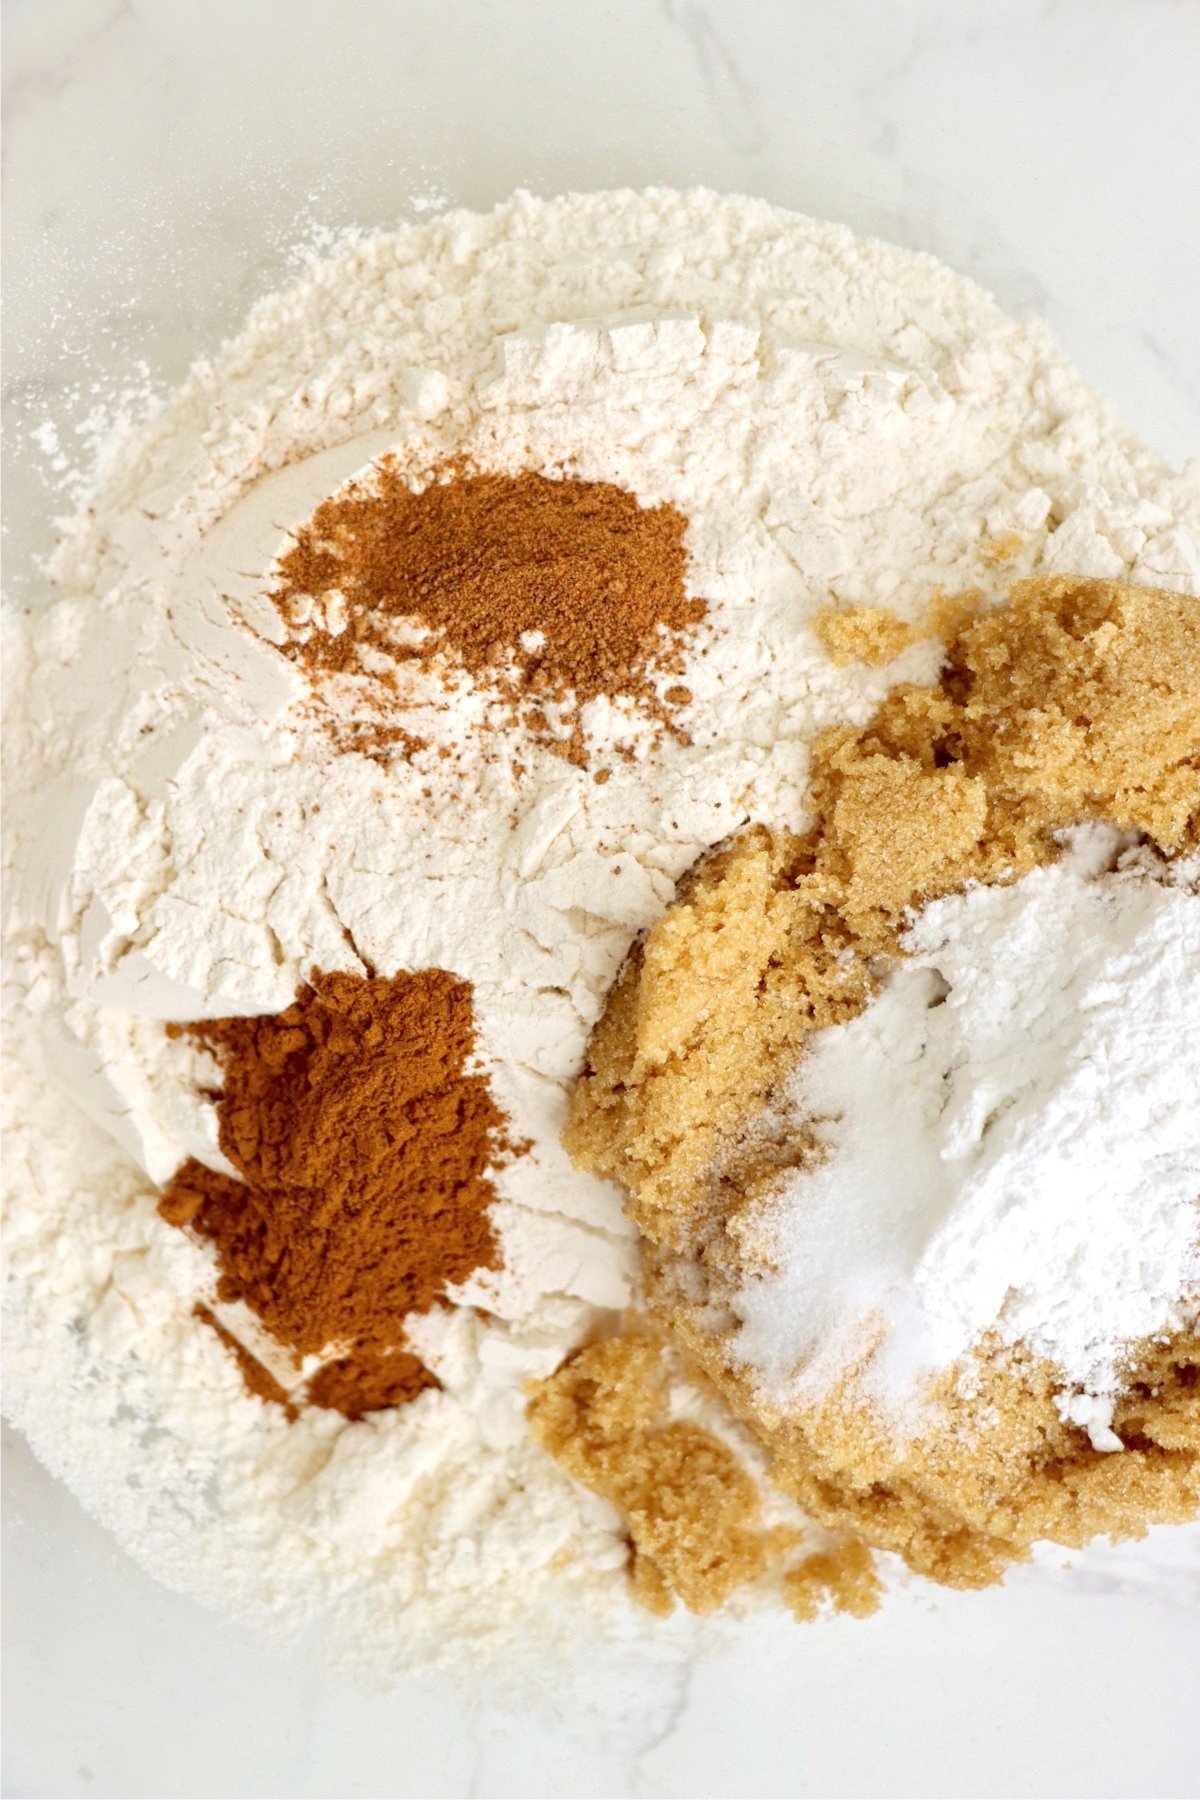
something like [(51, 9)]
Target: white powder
[(838, 421), (1012, 1144)]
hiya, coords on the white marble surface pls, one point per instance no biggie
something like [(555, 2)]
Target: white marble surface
[(161, 159)]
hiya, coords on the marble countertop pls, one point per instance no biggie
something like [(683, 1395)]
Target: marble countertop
[(163, 158)]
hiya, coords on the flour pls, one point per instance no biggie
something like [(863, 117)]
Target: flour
[(1011, 1144), (839, 422)]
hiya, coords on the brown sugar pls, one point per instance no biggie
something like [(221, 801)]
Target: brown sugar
[(552, 592), (844, 1577), (693, 1512), (363, 1138), (875, 636), (1078, 700), (869, 634)]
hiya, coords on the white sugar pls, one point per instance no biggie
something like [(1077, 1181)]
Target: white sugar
[(1012, 1145)]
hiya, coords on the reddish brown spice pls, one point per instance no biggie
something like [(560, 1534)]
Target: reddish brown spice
[(364, 1138)]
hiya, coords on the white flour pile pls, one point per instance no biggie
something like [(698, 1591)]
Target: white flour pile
[(1010, 1145), (838, 421)]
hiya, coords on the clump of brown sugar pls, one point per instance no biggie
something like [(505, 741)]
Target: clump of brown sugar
[(364, 1138), (875, 636), (869, 634), (552, 592), (692, 1510), (999, 1468), (845, 1577), (1077, 701)]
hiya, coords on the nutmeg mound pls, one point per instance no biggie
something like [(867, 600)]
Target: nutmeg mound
[(550, 590), (1078, 700)]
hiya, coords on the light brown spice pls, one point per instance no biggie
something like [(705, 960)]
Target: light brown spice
[(364, 1138), (373, 738), (552, 592)]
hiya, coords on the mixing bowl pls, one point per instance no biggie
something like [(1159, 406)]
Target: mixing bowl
[(166, 164)]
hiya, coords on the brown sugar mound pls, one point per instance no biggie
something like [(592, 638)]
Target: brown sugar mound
[(554, 592), (998, 1471), (1079, 700), (363, 1137), (692, 1510)]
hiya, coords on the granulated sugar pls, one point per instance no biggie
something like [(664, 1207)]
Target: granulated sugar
[(837, 423), (1009, 1145)]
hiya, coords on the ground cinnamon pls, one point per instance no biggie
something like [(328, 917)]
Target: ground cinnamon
[(364, 1136), (258, 1379), (551, 591)]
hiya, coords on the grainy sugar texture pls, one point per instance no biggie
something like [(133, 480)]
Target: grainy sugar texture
[(905, 1105)]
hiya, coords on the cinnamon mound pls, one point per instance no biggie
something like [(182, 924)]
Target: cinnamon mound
[(1078, 701), (363, 1138)]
